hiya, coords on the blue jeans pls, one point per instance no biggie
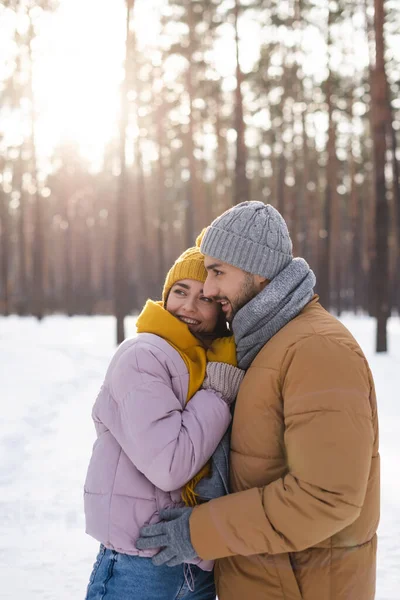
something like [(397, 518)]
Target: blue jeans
[(117, 576)]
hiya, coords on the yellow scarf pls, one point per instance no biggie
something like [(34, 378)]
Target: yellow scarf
[(154, 318)]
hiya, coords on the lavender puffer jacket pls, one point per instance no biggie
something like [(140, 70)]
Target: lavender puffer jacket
[(149, 441)]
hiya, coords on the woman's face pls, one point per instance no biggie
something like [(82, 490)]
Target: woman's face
[(187, 303)]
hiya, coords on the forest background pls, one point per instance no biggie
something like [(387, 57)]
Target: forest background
[(126, 127)]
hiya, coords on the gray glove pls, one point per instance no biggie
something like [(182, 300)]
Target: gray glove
[(216, 485), (223, 378), (172, 535)]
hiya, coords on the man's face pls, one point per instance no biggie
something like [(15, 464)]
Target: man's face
[(230, 286)]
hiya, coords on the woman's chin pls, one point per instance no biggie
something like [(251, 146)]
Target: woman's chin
[(194, 328), (198, 330)]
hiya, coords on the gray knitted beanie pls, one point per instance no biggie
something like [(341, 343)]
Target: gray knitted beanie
[(252, 236)]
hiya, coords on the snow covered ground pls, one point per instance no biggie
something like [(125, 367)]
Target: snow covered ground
[(51, 372)]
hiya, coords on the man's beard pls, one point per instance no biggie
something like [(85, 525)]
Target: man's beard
[(247, 293)]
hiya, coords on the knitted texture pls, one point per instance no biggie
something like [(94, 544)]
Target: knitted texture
[(217, 484), (172, 534), (189, 265), (252, 236), (223, 378), (270, 310)]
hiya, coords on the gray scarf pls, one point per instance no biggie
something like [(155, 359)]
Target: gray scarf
[(277, 304)]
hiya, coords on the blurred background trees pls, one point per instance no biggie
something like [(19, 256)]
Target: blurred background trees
[(291, 102)]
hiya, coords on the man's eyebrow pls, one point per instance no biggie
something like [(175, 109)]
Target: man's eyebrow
[(213, 266), (184, 285)]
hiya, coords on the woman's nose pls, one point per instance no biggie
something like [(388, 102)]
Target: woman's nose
[(189, 305)]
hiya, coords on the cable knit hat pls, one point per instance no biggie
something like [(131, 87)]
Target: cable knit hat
[(189, 265), (252, 236)]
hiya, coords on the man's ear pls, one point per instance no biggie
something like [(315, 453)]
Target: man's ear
[(261, 282)]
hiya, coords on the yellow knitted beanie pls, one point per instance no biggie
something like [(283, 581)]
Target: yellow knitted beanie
[(189, 265)]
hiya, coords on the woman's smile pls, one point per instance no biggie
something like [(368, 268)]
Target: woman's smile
[(188, 320)]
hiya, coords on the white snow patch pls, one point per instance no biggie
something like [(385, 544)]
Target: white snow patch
[(51, 372)]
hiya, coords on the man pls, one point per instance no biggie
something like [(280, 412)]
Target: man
[(301, 520)]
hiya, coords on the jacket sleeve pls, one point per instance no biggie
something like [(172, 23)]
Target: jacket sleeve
[(167, 443), (217, 484), (328, 441)]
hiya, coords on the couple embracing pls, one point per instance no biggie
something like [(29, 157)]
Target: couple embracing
[(237, 435)]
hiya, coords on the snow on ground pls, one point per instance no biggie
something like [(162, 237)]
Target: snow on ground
[(51, 372)]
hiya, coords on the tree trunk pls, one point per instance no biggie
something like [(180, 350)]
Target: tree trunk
[(223, 189), (323, 254), (145, 289), (120, 272), (4, 246), (69, 284), (38, 236), (396, 206), (302, 210), (280, 182), (380, 129), (331, 197), (22, 304), (191, 205), (355, 234), (242, 191), (161, 193), (140, 242)]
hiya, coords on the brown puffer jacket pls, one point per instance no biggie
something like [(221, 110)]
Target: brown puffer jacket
[(305, 466)]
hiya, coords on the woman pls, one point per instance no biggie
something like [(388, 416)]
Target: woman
[(156, 431)]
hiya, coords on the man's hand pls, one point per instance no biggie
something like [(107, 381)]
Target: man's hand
[(172, 535)]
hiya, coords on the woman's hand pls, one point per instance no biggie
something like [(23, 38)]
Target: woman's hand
[(223, 378)]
